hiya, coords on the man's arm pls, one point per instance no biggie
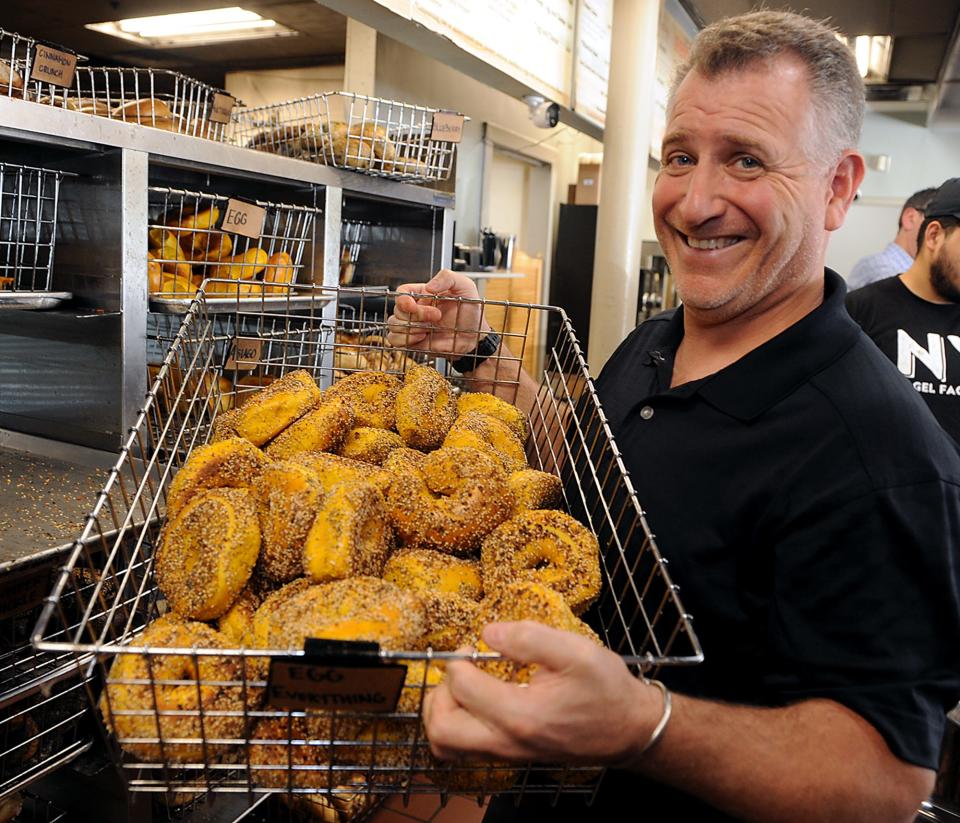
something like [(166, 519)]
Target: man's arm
[(812, 761)]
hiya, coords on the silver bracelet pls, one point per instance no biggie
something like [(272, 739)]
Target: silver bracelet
[(658, 730)]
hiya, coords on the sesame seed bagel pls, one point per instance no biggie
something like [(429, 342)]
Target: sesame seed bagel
[(493, 406), (476, 430), (265, 615), (534, 489), (547, 547), (269, 411), (452, 503), (425, 408), (230, 463), (523, 601), (219, 692), (450, 619), (332, 470), (225, 426), (236, 622), (426, 571), (320, 429), (358, 608), (208, 553), (370, 445), (350, 535), (372, 395), (401, 460), (279, 743), (288, 496)]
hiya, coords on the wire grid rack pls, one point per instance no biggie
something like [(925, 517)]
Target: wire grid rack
[(159, 98), (188, 243), (29, 199), (16, 64), (350, 131), (639, 614)]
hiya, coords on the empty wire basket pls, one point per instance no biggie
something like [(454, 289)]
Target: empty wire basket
[(351, 131), (29, 198), (243, 741)]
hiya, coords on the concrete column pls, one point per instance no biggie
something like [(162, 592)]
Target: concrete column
[(623, 189), (360, 59)]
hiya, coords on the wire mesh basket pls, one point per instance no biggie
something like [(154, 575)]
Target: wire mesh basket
[(16, 66), (29, 199), (245, 745), (351, 131), (191, 239), (44, 711), (158, 98)]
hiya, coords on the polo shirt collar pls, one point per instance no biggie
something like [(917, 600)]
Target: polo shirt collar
[(765, 376)]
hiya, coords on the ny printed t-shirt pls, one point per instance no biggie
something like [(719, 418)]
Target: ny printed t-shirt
[(920, 337)]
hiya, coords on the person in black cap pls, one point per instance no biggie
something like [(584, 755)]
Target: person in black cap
[(915, 318), (806, 498)]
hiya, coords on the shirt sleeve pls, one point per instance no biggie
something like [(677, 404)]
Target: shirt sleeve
[(866, 612)]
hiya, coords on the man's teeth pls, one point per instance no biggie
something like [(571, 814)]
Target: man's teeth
[(711, 243)]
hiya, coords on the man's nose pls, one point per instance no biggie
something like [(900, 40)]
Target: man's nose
[(703, 197)]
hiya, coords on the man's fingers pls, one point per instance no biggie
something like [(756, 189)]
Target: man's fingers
[(408, 308), (529, 642), (454, 732), (499, 705)]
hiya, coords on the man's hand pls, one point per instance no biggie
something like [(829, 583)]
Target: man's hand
[(582, 705), (419, 321)]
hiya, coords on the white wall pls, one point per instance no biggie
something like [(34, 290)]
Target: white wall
[(919, 158), (260, 88)]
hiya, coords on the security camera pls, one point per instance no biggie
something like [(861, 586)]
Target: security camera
[(543, 113)]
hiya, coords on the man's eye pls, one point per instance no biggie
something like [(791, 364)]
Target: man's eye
[(680, 160), (749, 163)]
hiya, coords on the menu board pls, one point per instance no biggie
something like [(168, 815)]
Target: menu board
[(592, 66), (559, 48), (531, 40), (673, 48)]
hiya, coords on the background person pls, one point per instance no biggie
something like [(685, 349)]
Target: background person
[(915, 318), (897, 256)]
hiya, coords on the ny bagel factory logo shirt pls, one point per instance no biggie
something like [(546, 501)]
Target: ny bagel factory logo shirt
[(920, 337)]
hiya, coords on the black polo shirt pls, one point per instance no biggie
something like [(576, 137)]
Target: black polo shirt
[(809, 505)]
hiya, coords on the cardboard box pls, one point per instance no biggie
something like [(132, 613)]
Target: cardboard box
[(588, 184)]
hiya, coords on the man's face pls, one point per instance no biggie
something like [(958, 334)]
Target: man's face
[(739, 207), (945, 268)]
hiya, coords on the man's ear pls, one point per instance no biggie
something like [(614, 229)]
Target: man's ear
[(844, 184), (911, 218)]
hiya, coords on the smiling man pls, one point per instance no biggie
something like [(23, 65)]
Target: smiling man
[(806, 498)]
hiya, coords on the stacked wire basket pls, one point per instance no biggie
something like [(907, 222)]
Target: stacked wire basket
[(158, 98), (44, 711), (383, 138), (639, 614), (29, 201)]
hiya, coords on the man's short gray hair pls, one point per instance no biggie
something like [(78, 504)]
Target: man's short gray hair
[(835, 84)]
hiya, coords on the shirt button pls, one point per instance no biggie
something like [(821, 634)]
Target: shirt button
[(646, 412)]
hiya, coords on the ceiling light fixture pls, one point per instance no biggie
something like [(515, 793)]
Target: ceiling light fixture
[(194, 28), (873, 53)]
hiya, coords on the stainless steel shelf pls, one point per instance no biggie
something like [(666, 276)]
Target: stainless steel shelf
[(46, 124)]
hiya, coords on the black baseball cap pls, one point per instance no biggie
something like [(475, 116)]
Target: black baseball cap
[(945, 201)]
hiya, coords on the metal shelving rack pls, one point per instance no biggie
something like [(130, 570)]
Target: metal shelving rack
[(106, 206)]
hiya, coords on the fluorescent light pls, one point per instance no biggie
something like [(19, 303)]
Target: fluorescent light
[(872, 52), (193, 28)]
